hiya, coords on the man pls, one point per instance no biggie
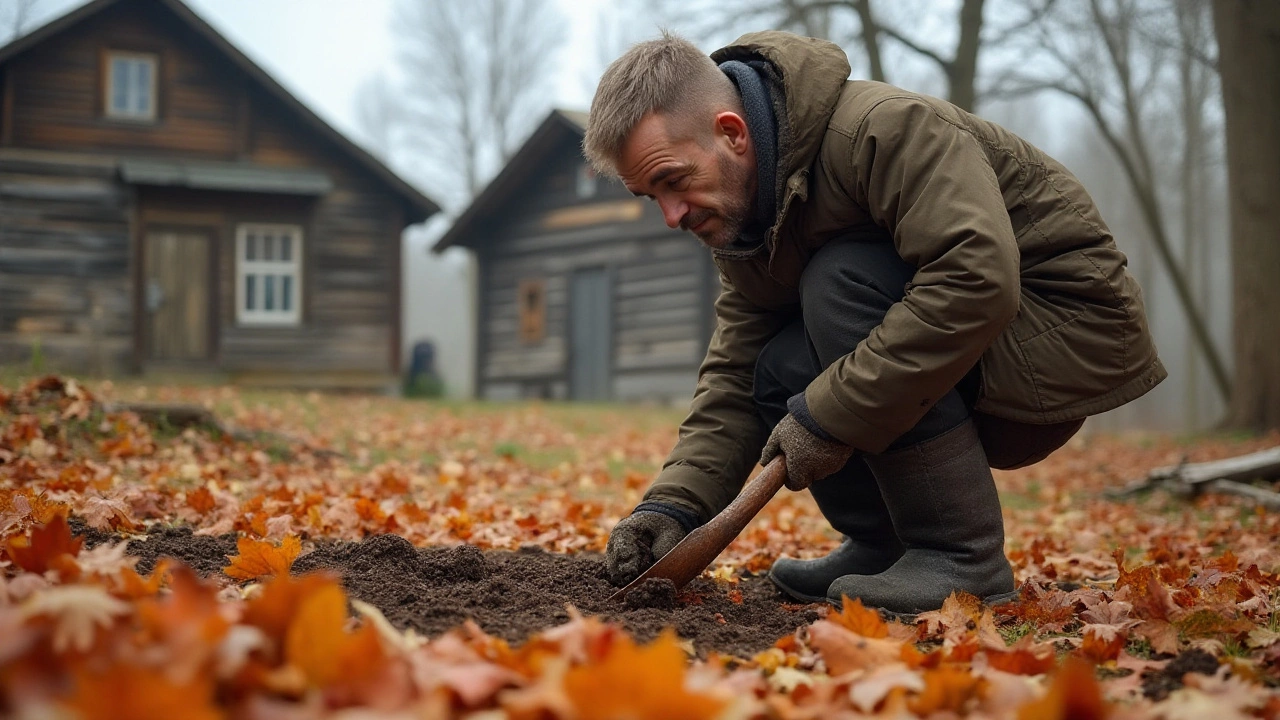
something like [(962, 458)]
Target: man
[(911, 296)]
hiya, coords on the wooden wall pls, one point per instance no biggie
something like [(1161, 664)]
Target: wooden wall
[(662, 290), (208, 110), (65, 292)]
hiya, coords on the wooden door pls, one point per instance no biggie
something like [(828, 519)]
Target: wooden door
[(590, 335), (176, 295)]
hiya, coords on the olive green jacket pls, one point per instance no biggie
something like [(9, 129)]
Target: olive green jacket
[(1018, 274)]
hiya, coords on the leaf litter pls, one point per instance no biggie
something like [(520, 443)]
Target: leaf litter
[(336, 554)]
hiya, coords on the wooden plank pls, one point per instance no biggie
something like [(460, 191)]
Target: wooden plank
[(684, 320), (657, 286), (598, 213)]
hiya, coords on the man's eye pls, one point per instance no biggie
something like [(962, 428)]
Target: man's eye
[(679, 183)]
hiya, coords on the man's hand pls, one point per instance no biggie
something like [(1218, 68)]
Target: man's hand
[(637, 541), (808, 456)]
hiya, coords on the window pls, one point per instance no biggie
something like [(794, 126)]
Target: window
[(532, 301), (131, 86), (268, 274), (586, 181)]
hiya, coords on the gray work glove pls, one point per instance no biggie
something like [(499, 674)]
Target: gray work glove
[(808, 456), (639, 539)]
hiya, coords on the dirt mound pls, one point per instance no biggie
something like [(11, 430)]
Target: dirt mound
[(513, 595)]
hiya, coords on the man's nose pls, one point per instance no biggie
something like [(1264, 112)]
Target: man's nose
[(673, 210)]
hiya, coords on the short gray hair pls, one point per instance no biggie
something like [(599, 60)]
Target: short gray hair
[(669, 75)]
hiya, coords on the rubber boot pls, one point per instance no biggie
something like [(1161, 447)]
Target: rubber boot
[(945, 509), (849, 500)]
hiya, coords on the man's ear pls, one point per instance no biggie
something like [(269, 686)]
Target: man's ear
[(733, 128)]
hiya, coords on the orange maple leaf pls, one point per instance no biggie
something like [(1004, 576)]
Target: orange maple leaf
[(132, 586), (257, 558), (274, 609), (189, 618), (855, 617), (46, 548), (317, 644), (1021, 660), (44, 510), (1103, 643), (638, 682), (948, 687), (201, 500), (1074, 694), (128, 691), (843, 651)]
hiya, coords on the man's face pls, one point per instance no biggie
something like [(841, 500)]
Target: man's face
[(705, 187)]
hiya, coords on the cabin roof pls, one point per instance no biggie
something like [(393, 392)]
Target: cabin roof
[(557, 125), (421, 206)]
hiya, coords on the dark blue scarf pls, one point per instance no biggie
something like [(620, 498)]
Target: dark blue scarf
[(762, 126)]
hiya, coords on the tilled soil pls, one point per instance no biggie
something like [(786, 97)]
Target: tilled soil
[(513, 595)]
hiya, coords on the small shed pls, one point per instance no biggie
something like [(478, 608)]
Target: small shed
[(584, 293), (165, 205)]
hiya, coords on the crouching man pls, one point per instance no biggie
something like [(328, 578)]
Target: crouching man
[(911, 296)]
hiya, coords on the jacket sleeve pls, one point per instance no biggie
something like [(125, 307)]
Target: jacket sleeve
[(929, 182), (721, 439)]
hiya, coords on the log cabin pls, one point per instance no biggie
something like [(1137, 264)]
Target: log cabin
[(166, 206), (583, 291)]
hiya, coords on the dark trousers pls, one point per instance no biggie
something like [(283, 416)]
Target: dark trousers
[(845, 291)]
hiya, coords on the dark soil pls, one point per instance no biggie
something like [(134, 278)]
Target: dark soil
[(513, 595), (1156, 685)]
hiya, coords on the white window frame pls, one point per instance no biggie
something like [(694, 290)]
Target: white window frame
[(147, 114), (260, 268)]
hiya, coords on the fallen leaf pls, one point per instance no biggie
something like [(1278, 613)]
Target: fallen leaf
[(1073, 694), (638, 682), (868, 692), (259, 558), (123, 691), (843, 651), (949, 687), (859, 620), (46, 548), (1102, 643), (76, 612)]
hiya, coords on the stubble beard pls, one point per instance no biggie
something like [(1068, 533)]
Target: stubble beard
[(736, 212)]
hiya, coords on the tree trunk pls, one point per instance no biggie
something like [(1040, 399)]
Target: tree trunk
[(870, 39), (1248, 33), (964, 68)]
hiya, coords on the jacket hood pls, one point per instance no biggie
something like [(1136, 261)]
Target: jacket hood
[(812, 73)]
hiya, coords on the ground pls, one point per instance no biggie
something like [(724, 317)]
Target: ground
[(310, 553)]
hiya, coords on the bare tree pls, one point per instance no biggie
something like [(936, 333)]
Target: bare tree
[(19, 14), (1197, 83), (379, 115), (1248, 33), (1098, 54), (476, 77), (863, 24)]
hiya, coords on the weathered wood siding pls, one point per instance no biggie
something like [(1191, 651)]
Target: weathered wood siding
[(57, 89), (65, 290), (661, 293), (208, 110)]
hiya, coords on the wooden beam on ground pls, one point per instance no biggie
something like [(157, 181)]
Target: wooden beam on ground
[(1226, 476)]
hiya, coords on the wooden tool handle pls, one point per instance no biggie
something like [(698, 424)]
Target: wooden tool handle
[(696, 551)]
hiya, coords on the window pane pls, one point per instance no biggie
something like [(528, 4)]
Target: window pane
[(250, 246), (250, 281), (269, 292), (120, 84), (286, 292), (142, 87), (286, 248), (268, 247)]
